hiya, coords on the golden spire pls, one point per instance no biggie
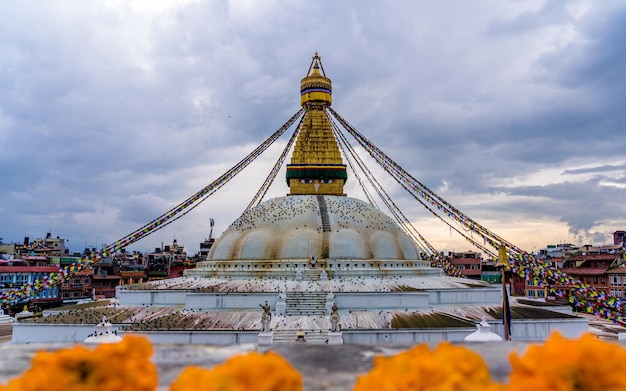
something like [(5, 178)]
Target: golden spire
[(315, 86), (316, 165)]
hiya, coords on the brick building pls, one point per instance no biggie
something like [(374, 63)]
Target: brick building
[(469, 263)]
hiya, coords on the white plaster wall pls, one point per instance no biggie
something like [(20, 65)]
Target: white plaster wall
[(226, 337), (158, 298), (541, 329), (168, 297), (229, 301), (47, 333), (374, 301), (521, 330), (487, 295), (62, 333), (370, 337), (133, 297)]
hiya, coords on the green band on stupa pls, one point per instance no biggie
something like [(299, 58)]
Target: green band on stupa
[(316, 171)]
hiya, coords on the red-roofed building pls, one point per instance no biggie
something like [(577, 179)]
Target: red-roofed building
[(104, 285), (469, 263), (592, 268), (78, 287), (617, 281), (16, 276), (105, 277)]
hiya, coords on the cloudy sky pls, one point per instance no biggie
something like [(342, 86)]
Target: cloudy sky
[(112, 112)]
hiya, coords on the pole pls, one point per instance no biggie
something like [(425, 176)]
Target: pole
[(503, 261), (505, 309)]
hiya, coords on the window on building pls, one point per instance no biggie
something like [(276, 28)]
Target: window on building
[(541, 293), (595, 280), (531, 293), (602, 280)]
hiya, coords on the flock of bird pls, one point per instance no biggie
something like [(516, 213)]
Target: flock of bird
[(267, 230)]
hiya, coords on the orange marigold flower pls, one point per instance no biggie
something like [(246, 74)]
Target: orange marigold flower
[(447, 367), (252, 371), (569, 365), (109, 367)]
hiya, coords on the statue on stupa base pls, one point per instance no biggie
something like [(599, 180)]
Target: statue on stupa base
[(266, 317), (334, 319)]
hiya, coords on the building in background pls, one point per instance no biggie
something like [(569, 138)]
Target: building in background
[(619, 238), (468, 262), (18, 273)]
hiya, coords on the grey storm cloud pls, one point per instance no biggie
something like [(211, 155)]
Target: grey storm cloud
[(112, 112)]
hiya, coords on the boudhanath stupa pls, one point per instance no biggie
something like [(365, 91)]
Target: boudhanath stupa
[(304, 254)]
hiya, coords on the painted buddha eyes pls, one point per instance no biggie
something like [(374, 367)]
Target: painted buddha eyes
[(326, 181), (307, 180)]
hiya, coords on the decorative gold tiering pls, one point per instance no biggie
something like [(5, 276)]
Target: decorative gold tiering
[(316, 164), (315, 86)]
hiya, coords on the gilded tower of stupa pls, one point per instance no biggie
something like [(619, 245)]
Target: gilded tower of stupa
[(316, 166)]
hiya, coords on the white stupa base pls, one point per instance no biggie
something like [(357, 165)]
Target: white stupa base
[(335, 338), (483, 334), (266, 338), (103, 333), (104, 338)]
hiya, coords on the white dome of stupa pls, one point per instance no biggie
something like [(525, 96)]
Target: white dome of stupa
[(304, 226)]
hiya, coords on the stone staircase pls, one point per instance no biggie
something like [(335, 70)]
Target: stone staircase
[(305, 303), (312, 337), (323, 213), (311, 274), (325, 225)]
